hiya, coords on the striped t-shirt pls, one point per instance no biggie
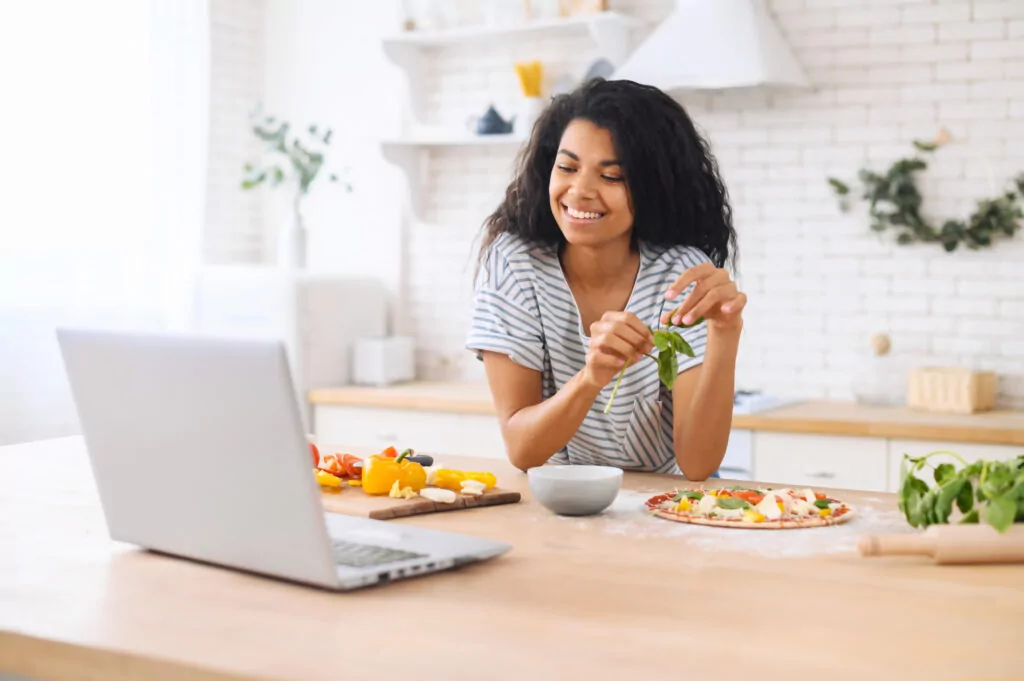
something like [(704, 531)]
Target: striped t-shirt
[(523, 308)]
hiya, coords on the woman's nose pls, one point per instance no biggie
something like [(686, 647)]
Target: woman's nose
[(583, 186)]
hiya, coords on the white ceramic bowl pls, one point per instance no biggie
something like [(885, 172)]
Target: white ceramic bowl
[(575, 490)]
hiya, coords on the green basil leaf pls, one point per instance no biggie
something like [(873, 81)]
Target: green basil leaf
[(668, 367), (679, 344), (689, 494), (915, 513), (947, 495), (732, 503), (944, 472), (821, 503), (1000, 513), (973, 470), (965, 500), (661, 340), (970, 518), (1000, 477)]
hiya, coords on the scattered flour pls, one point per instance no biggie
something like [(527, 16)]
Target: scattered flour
[(628, 516)]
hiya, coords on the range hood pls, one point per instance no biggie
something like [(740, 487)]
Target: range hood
[(712, 45)]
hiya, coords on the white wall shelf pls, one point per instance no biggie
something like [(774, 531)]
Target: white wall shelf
[(445, 138), (601, 25)]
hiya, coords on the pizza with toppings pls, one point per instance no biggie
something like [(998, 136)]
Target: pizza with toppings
[(765, 508)]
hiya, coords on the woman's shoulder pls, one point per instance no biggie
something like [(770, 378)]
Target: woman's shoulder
[(512, 252), (513, 247)]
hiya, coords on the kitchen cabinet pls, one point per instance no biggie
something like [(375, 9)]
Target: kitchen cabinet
[(425, 431), (968, 451), (821, 461)]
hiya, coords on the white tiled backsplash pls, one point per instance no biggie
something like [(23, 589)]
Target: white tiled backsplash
[(820, 283)]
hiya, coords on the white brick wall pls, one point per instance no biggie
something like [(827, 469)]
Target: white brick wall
[(820, 283), (234, 225)]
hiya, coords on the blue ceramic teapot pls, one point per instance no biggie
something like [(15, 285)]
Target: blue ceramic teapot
[(491, 123)]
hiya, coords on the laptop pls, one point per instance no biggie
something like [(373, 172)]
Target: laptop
[(198, 451)]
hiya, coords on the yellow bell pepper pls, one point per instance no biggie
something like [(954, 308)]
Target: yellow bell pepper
[(381, 472), (754, 516), (446, 478), (325, 479), (825, 512)]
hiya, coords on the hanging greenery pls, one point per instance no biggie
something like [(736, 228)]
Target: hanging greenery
[(895, 203)]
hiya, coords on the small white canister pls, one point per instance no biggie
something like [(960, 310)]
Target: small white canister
[(383, 361)]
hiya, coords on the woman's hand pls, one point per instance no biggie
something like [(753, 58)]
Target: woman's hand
[(715, 298), (615, 339)]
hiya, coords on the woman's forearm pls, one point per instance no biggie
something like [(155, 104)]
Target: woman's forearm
[(701, 441), (535, 433)]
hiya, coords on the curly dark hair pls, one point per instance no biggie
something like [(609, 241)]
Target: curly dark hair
[(677, 194)]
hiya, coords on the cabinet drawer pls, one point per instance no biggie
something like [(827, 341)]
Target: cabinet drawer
[(821, 461), (437, 433), (967, 451)]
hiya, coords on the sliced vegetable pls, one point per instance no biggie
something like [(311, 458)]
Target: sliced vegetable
[(315, 453), (325, 479)]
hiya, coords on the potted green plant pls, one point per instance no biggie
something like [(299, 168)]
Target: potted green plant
[(294, 161)]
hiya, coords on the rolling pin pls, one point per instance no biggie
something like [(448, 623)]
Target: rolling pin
[(951, 544)]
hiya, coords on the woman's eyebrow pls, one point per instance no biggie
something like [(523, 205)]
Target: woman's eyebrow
[(574, 157)]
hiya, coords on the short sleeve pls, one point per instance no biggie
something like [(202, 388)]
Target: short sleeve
[(505, 318)]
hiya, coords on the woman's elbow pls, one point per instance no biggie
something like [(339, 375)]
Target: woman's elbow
[(696, 474)]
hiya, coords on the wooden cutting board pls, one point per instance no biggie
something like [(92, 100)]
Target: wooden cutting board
[(354, 501)]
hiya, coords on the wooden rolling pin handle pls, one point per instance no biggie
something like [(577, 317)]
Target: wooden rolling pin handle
[(952, 544), (896, 545)]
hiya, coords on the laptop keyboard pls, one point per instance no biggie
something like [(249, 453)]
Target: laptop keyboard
[(356, 555)]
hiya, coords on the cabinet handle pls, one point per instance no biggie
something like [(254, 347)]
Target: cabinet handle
[(824, 475)]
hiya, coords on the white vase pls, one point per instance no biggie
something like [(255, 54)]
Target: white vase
[(530, 109), (291, 243)]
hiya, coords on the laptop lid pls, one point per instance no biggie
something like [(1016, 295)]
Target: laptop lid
[(197, 449)]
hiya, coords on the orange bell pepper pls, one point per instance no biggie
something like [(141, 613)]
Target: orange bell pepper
[(380, 472)]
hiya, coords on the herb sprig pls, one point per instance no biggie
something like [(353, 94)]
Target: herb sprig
[(668, 343), (996, 486)]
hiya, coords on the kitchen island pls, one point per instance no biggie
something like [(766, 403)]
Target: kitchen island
[(620, 595)]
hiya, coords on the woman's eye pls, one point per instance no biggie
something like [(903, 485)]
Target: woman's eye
[(611, 178), (566, 169)]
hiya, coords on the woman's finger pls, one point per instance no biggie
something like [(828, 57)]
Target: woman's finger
[(689, 276), (703, 287), (639, 342), (614, 344), (736, 305), (630, 321), (711, 303)]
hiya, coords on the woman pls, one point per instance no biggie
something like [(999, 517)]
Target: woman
[(615, 213)]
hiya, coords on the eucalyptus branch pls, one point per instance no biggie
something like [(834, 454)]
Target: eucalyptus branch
[(303, 158), (895, 203)]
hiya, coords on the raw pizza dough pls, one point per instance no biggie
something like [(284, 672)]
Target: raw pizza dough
[(664, 506)]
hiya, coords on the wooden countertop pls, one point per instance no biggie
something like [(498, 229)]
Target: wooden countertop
[(622, 595), (813, 416)]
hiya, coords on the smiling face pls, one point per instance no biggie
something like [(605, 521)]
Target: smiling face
[(588, 193)]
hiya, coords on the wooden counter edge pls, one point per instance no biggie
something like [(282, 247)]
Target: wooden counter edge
[(55, 660), (328, 397), (881, 429)]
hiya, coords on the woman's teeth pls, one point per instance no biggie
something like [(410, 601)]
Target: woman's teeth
[(582, 215)]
